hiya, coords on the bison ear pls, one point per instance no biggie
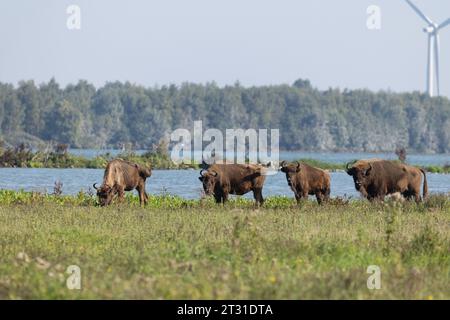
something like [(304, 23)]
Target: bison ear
[(368, 170)]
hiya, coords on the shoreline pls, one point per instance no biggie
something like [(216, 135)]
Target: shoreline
[(159, 159)]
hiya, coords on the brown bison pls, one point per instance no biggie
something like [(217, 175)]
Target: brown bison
[(222, 180), (375, 178), (121, 176), (306, 180)]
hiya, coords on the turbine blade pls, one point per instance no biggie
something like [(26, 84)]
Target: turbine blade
[(444, 24), (430, 66), (436, 60), (420, 13)]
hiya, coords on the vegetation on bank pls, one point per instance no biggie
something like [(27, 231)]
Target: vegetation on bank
[(194, 249), (58, 157)]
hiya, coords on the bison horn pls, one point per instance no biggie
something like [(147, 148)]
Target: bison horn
[(348, 164), (298, 166), (94, 185), (204, 165), (283, 163), (201, 172)]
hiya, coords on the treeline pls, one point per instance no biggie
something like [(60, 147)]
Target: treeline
[(309, 119)]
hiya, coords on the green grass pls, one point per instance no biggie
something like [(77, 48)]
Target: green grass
[(324, 165), (194, 249), (438, 169)]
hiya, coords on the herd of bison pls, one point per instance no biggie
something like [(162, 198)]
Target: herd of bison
[(373, 178)]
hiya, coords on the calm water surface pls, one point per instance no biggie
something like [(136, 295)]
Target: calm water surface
[(183, 183)]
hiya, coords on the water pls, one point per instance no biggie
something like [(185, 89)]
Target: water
[(183, 183), (331, 157)]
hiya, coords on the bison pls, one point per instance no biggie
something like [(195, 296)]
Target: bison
[(120, 176), (375, 179), (306, 180), (222, 180)]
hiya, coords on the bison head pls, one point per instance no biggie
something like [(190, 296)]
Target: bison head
[(144, 172), (291, 171), (360, 171), (105, 194), (209, 178)]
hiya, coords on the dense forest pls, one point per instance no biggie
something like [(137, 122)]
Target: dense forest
[(309, 119)]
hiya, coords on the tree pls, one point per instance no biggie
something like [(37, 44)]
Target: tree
[(65, 123), (28, 96), (12, 111)]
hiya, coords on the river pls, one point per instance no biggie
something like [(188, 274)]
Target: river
[(183, 183)]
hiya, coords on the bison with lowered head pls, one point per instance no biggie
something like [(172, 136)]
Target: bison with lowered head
[(375, 178), (121, 176), (221, 180), (306, 180)]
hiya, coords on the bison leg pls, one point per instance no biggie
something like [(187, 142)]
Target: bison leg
[(121, 194), (257, 194), (323, 195), (412, 194), (300, 196), (327, 194), (319, 197), (218, 198), (417, 197), (224, 197), (142, 195)]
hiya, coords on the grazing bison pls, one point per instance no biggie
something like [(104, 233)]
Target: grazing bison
[(222, 180), (375, 178), (306, 180), (122, 176)]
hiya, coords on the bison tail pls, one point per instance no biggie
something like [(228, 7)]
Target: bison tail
[(425, 184)]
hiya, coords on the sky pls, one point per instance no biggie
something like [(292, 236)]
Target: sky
[(255, 42)]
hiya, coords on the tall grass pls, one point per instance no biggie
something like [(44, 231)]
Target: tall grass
[(187, 249)]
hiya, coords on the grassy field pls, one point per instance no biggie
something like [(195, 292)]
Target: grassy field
[(179, 249)]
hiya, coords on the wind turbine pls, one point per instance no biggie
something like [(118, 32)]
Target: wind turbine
[(433, 49)]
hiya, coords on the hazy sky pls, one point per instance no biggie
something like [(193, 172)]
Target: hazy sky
[(253, 41)]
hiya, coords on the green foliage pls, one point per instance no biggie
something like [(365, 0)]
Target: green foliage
[(194, 249), (323, 164), (308, 119), (438, 169)]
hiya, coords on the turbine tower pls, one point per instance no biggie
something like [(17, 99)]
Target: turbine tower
[(432, 30)]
